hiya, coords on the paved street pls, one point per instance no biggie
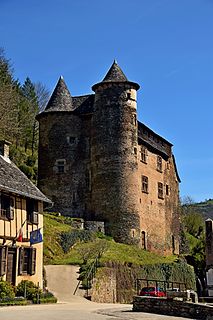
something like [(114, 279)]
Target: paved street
[(77, 311)]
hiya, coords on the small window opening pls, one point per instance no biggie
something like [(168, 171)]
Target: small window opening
[(134, 119), (143, 240), (71, 140), (60, 164), (167, 189), (74, 196)]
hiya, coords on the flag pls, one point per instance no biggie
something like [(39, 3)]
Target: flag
[(20, 235), (36, 236)]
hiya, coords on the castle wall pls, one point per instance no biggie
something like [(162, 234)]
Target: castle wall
[(157, 213)]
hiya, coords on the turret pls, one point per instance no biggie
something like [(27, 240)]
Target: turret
[(59, 141), (114, 156)]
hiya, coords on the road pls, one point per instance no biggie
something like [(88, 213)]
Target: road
[(81, 310)]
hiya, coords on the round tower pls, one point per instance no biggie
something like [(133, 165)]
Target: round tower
[(58, 156), (115, 185)]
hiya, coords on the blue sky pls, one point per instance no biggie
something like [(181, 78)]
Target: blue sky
[(164, 45)]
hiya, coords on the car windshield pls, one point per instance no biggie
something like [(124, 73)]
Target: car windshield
[(148, 289)]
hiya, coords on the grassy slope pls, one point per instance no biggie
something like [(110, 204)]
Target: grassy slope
[(117, 252)]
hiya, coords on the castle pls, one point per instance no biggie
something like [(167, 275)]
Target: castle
[(99, 163)]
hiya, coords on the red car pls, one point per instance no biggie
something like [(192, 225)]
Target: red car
[(152, 292)]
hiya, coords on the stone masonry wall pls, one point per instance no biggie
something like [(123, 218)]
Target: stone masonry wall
[(158, 215), (61, 139), (172, 308)]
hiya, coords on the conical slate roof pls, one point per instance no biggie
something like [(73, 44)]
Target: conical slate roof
[(115, 73), (61, 99)]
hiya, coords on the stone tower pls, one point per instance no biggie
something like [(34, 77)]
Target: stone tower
[(114, 155), (59, 151)]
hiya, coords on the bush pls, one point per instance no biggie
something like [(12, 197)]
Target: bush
[(6, 290), (46, 297), (68, 239), (28, 290), (13, 301)]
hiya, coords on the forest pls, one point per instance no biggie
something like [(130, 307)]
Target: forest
[(19, 104)]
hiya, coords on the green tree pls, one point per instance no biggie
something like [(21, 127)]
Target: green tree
[(31, 109)]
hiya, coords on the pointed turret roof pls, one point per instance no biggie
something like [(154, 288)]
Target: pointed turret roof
[(115, 73), (60, 99)]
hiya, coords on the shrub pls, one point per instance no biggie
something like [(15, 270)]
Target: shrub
[(6, 290), (46, 297), (28, 290), (68, 239), (13, 301)]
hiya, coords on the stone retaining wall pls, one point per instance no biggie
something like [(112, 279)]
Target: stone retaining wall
[(172, 307)]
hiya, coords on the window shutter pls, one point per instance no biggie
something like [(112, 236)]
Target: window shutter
[(3, 260), (32, 265), (21, 260)]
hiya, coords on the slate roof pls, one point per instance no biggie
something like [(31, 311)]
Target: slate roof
[(83, 104), (60, 99), (115, 74), (13, 180)]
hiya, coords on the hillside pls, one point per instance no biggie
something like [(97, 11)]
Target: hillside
[(205, 208), (55, 226)]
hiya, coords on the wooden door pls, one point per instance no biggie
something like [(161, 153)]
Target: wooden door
[(11, 266)]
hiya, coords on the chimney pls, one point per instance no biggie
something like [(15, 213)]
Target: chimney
[(5, 148)]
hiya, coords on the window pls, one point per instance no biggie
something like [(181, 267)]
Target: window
[(145, 184), (3, 260), (27, 260), (135, 151), (7, 207), (71, 140), (133, 233), (167, 189), (160, 190), (128, 95), (134, 119), (159, 163), (173, 244), (74, 196), (143, 240), (143, 154), (32, 211), (60, 166), (88, 180)]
